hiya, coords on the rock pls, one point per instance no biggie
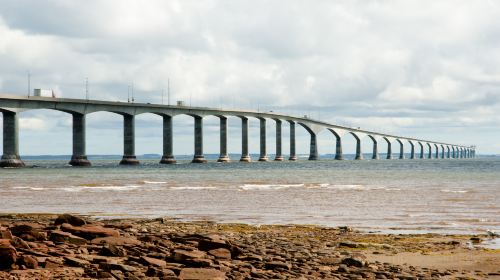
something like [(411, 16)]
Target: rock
[(115, 266), (357, 260), (71, 261), (19, 243), (8, 254), (201, 274), (220, 253), (183, 255), (153, 262), (90, 232), (350, 244), (275, 265), (28, 231), (5, 233), (69, 219), (29, 261), (113, 251), (114, 240), (161, 273), (66, 237)]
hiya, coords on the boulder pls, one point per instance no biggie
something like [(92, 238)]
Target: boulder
[(183, 255), (8, 254), (153, 262), (113, 240), (5, 233), (278, 265), (220, 253), (69, 219), (28, 231), (201, 274), (66, 237), (71, 261), (90, 232), (112, 251), (29, 262), (357, 260)]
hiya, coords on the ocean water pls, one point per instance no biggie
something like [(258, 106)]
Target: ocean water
[(438, 195)]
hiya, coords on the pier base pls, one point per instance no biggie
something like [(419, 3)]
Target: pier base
[(168, 160), (199, 159), (223, 159), (79, 161), (11, 162), (129, 160), (279, 158), (245, 159), (292, 158), (263, 158)]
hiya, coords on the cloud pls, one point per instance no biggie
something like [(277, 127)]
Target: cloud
[(381, 63)]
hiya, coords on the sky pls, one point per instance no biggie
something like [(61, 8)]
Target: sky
[(425, 69)]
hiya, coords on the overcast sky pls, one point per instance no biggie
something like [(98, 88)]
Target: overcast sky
[(428, 69)]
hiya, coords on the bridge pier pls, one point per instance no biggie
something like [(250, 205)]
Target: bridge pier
[(129, 157), (389, 148), (263, 150), (375, 148), (429, 155), (401, 150), (79, 157), (359, 153), (313, 147), (442, 151), (421, 156), (437, 151), (245, 156), (198, 141), (168, 143), (293, 155), (452, 152), (412, 151), (279, 154), (448, 152), (223, 157), (10, 157), (338, 148)]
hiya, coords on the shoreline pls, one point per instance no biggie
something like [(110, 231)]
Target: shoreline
[(168, 248)]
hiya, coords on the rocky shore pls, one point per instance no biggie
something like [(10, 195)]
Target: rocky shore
[(73, 247)]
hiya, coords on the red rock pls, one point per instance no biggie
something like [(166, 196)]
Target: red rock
[(153, 262), (69, 219), (66, 237), (112, 240), (76, 262), (20, 243), (29, 261), (8, 254), (90, 232), (220, 253), (5, 233), (183, 255), (201, 274), (28, 231)]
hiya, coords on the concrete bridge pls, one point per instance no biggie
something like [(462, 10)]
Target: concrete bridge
[(11, 106)]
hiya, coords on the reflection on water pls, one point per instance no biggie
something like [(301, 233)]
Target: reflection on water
[(413, 195)]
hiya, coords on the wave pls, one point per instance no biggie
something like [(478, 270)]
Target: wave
[(193, 188), (248, 187), (99, 188), (153, 182), (355, 187), (454, 191)]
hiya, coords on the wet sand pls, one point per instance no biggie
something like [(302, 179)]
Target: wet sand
[(43, 246)]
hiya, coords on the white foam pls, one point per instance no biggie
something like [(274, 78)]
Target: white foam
[(248, 187), (99, 188), (193, 188), (154, 182), (454, 191), (356, 187)]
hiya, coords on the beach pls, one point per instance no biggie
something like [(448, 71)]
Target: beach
[(49, 246)]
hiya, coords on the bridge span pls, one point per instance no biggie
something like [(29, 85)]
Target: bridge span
[(12, 105)]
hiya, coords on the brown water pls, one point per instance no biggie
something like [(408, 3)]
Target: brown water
[(388, 195)]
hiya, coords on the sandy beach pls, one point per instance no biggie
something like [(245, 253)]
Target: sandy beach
[(44, 246)]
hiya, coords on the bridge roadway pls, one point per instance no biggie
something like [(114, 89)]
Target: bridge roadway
[(12, 105)]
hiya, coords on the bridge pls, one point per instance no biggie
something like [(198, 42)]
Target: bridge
[(11, 106)]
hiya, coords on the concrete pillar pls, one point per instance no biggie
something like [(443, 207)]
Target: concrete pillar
[(453, 154), (79, 157), (279, 154), (412, 152), (223, 157), (461, 152), (401, 150), (448, 155), (313, 147), (429, 156), (129, 157), (10, 157), (421, 150), (198, 141), (263, 149), (359, 153), (168, 143), (293, 155), (442, 151), (389, 149), (245, 156), (375, 148), (437, 151), (338, 145)]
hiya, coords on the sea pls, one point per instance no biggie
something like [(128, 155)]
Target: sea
[(406, 196)]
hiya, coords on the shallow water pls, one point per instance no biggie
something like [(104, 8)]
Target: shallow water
[(436, 195)]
